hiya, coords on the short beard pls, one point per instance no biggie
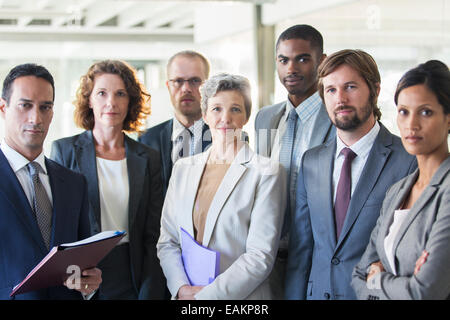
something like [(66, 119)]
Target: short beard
[(355, 122)]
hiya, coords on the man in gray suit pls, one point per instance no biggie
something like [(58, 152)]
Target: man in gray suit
[(287, 129), (342, 183)]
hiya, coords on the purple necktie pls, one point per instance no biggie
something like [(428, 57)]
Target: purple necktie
[(343, 191)]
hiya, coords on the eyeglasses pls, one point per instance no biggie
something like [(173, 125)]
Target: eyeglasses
[(193, 82)]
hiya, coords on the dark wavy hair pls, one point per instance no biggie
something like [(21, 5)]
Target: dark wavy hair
[(23, 70), (139, 105), (435, 75)]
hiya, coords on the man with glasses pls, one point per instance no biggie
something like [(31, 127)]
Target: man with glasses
[(186, 134)]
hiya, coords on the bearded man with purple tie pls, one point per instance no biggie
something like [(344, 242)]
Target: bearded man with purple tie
[(342, 183)]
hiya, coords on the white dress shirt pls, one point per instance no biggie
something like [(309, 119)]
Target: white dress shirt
[(195, 142), (19, 164), (114, 191), (362, 149), (399, 217)]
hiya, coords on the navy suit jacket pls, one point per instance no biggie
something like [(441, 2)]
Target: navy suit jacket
[(144, 209), (319, 266), (159, 138), (21, 244)]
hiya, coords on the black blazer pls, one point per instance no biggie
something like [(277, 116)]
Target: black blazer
[(144, 209), (159, 138)]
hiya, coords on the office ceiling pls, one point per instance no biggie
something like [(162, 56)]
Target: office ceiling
[(40, 20)]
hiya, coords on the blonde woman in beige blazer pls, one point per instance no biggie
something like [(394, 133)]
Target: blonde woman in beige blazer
[(244, 218), (408, 255)]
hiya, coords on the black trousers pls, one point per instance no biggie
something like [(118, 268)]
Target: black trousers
[(117, 282)]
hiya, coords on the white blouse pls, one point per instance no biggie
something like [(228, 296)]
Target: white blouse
[(114, 193), (399, 217)]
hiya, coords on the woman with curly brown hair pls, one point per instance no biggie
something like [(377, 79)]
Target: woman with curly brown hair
[(123, 177)]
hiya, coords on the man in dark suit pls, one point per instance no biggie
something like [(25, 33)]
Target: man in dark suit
[(342, 183), (42, 203), (186, 134)]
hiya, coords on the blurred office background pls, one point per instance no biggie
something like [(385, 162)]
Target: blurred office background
[(67, 36)]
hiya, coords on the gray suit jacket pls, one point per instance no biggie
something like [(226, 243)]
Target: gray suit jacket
[(145, 203), (427, 227), (319, 266), (268, 119)]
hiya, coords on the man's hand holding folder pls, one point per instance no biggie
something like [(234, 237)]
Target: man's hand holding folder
[(79, 257), (89, 281)]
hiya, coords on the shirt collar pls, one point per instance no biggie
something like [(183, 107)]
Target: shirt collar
[(307, 108), (178, 128), (361, 147), (18, 161)]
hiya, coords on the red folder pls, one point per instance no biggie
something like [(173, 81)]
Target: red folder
[(53, 269)]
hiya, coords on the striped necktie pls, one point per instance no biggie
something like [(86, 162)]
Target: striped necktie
[(42, 207)]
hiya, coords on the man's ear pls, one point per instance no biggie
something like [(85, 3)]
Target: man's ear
[(378, 88), (323, 57), (3, 105)]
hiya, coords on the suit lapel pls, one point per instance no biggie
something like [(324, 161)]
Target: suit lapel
[(321, 129), (426, 195), (226, 187), (275, 120), (194, 170), (396, 203), (206, 137), (136, 165), (166, 151), (372, 169), (325, 169), (11, 188), (87, 164), (274, 124), (59, 205)]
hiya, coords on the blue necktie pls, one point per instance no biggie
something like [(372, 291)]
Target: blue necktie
[(287, 148)]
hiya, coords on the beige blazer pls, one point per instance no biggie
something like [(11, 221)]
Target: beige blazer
[(243, 224), (427, 227)]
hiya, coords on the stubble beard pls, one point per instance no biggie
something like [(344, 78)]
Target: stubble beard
[(354, 122)]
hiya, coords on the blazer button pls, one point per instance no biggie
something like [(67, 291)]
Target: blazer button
[(335, 261), (326, 296)]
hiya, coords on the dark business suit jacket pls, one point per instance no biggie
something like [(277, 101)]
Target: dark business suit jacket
[(427, 227), (144, 209), (319, 266), (21, 244), (159, 138)]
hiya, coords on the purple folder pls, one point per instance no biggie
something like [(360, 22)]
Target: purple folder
[(200, 263)]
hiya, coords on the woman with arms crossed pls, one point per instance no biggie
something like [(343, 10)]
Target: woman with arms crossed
[(408, 255)]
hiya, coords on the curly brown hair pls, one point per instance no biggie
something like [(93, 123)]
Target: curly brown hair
[(139, 105)]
